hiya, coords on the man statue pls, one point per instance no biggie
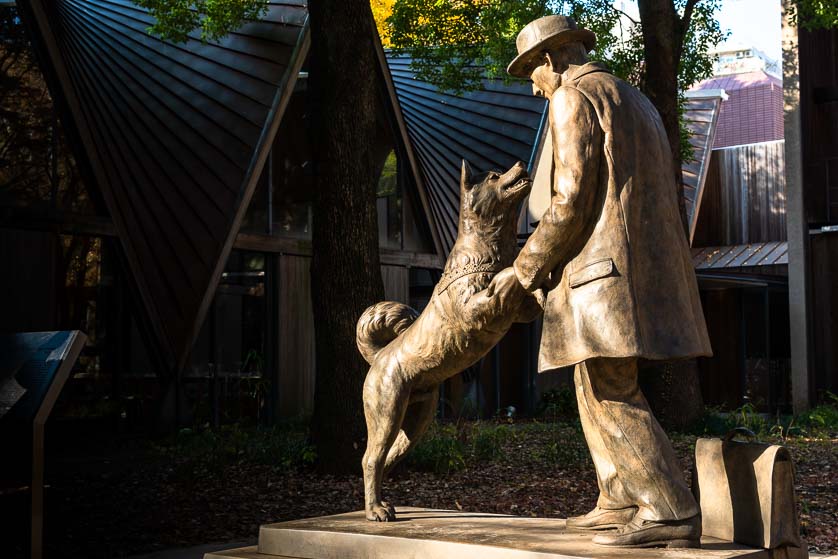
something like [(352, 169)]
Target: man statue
[(613, 257)]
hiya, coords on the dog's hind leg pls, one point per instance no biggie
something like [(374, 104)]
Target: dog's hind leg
[(385, 401), (418, 417)]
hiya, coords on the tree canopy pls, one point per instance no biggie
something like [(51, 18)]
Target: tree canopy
[(176, 19), (455, 44), (814, 14)]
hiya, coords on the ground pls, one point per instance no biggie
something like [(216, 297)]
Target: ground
[(113, 500), (118, 497)]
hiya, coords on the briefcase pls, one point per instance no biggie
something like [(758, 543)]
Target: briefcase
[(746, 493)]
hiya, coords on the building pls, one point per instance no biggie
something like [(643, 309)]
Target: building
[(810, 85), (753, 111), (740, 247), (189, 265), (738, 58)]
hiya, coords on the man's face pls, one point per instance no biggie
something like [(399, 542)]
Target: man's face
[(545, 81)]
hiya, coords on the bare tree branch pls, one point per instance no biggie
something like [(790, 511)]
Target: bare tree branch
[(628, 17)]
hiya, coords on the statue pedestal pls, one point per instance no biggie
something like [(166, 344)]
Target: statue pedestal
[(438, 534)]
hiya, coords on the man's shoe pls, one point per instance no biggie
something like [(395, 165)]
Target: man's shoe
[(649, 533), (602, 519)]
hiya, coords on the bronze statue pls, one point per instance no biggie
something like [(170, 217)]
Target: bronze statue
[(410, 357), (612, 254)]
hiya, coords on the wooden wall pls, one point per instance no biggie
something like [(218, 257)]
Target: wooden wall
[(825, 313), (819, 123), (295, 338), (721, 375), (818, 56), (295, 332), (396, 283), (744, 197)]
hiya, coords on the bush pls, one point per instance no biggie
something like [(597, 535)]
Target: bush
[(283, 446), (823, 419), (820, 421), (488, 440), (558, 404), (440, 451), (560, 446), (450, 448)]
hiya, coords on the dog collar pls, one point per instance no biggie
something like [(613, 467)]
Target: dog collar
[(450, 276)]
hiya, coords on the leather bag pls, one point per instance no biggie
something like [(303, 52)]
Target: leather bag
[(746, 493)]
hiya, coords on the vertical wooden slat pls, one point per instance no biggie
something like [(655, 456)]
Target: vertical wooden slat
[(396, 283), (295, 338), (753, 193)]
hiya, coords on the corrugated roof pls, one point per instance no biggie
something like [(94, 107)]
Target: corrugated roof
[(176, 135), (735, 82), (754, 111), (740, 256), (701, 113), (492, 129)]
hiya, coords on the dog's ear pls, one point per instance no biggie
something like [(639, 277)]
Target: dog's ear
[(465, 176)]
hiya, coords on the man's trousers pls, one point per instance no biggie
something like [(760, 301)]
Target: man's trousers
[(634, 460)]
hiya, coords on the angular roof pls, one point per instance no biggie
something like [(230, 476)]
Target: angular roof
[(754, 111), (492, 129), (176, 136), (735, 82), (701, 114)]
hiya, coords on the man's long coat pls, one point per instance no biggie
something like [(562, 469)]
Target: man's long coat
[(611, 248)]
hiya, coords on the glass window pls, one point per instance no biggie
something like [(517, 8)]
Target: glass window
[(225, 378), (291, 174), (231, 342), (389, 204), (37, 168)]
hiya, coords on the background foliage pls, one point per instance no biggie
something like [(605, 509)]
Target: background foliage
[(815, 14), (456, 43), (214, 18)]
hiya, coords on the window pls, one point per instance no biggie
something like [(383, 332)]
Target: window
[(389, 204)]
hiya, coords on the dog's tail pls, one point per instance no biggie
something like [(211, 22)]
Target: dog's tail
[(381, 324)]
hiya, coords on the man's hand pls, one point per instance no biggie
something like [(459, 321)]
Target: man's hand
[(505, 284)]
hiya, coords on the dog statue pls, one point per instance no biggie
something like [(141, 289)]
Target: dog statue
[(410, 354)]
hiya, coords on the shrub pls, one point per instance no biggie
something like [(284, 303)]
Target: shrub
[(440, 451), (558, 403), (565, 446), (488, 440), (283, 446), (822, 419)]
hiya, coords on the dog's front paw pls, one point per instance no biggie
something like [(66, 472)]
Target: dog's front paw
[(382, 512)]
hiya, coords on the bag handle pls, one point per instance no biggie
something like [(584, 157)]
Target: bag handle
[(747, 433)]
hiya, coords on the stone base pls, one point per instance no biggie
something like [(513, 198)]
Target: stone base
[(440, 534)]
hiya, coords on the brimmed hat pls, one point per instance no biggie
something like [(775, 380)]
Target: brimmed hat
[(542, 34)]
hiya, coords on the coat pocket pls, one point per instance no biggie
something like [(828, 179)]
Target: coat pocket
[(595, 270)]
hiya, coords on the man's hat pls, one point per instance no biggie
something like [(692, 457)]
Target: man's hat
[(542, 34)]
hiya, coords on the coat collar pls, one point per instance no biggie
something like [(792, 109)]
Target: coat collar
[(574, 72)]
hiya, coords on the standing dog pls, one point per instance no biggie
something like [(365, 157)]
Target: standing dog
[(410, 355)]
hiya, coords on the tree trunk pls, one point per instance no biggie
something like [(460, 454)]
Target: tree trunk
[(662, 39), (676, 404), (345, 270)]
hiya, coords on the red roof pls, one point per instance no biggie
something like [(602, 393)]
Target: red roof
[(735, 82), (754, 110)]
